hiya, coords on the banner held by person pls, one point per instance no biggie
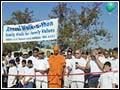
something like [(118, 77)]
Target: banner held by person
[(37, 31)]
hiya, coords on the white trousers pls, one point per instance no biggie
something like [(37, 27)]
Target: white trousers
[(67, 81), (41, 84), (77, 84)]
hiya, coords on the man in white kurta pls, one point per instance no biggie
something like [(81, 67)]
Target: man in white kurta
[(67, 77), (41, 68), (34, 56), (78, 67)]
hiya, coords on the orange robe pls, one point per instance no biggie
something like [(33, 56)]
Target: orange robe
[(56, 71)]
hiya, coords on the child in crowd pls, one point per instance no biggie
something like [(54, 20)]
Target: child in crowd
[(12, 74), (29, 75), (21, 73), (106, 79)]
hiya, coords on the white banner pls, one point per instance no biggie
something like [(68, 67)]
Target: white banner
[(37, 31)]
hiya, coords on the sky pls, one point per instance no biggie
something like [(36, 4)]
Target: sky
[(42, 9)]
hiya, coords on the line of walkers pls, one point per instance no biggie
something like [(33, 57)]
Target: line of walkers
[(54, 69)]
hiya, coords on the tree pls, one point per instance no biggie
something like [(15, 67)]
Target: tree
[(79, 30), (19, 17)]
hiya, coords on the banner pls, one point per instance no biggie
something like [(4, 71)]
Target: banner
[(37, 31)]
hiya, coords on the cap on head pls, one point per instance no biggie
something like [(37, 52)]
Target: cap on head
[(41, 52), (25, 53), (56, 48)]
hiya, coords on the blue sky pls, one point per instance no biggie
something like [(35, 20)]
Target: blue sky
[(42, 9)]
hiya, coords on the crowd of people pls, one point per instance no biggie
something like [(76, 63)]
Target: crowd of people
[(60, 69)]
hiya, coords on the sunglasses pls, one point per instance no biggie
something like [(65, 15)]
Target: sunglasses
[(76, 53), (99, 52), (69, 54), (35, 52)]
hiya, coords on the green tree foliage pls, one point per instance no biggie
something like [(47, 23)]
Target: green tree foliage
[(19, 17), (78, 30)]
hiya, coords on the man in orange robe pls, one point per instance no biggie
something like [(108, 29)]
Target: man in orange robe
[(56, 71)]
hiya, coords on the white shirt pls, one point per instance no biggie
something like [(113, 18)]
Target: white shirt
[(109, 58), (41, 64), (94, 66), (81, 62), (106, 80), (9, 58), (22, 72), (103, 59), (21, 58), (12, 71), (46, 58), (114, 64), (18, 67), (68, 64), (29, 71), (73, 57), (34, 59)]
